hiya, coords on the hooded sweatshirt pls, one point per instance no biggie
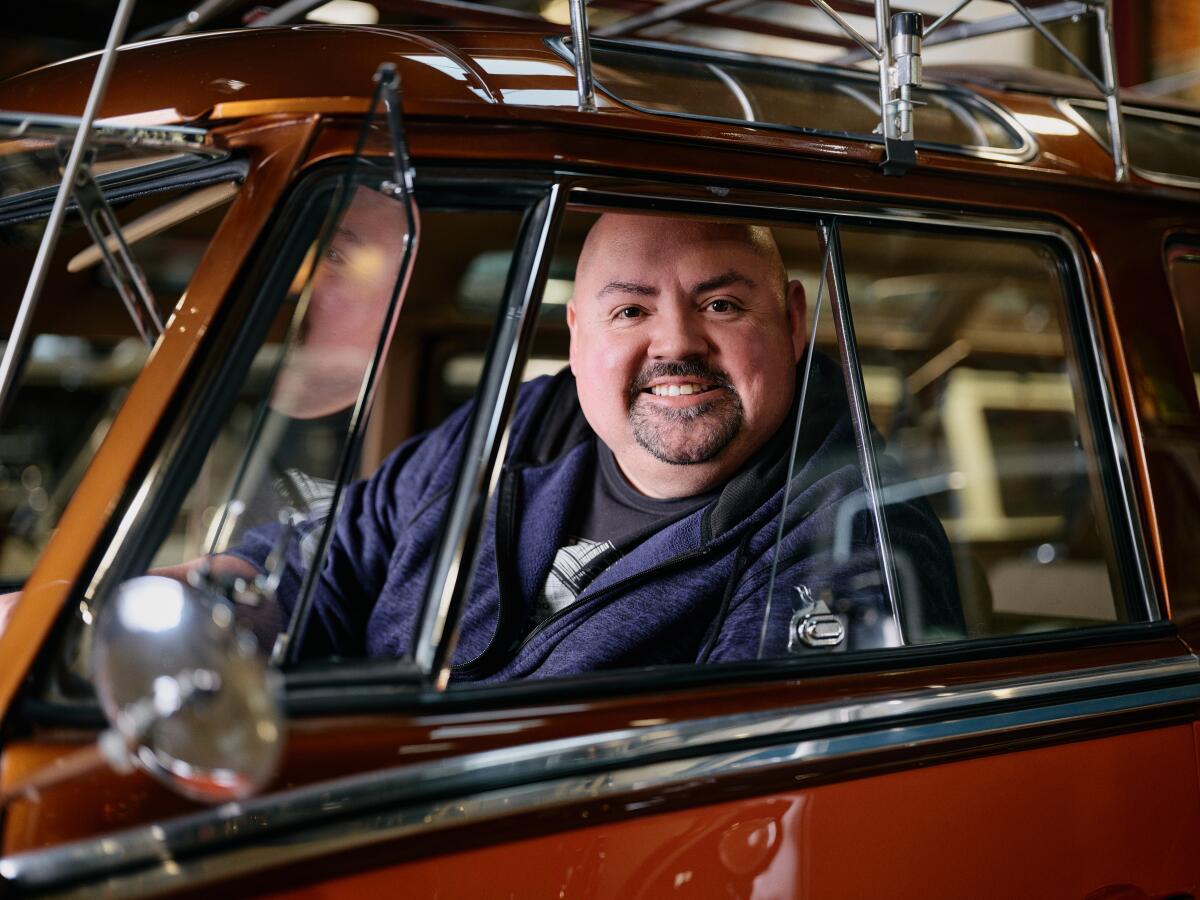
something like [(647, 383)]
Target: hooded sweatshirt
[(724, 583)]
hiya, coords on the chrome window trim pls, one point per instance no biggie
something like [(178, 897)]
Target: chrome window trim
[(361, 810), (1067, 106), (475, 480), (1128, 509), (1028, 150)]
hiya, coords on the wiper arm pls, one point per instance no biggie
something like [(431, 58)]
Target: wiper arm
[(166, 216), (126, 274)]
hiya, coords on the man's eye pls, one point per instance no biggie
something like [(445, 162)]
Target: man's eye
[(722, 306), (334, 255), (628, 312)]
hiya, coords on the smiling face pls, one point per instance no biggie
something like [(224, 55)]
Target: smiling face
[(684, 341)]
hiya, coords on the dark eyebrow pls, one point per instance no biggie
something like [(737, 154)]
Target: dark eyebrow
[(348, 234), (627, 287), (731, 277)]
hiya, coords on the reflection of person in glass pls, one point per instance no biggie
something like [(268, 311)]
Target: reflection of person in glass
[(297, 451), (340, 329), (637, 514)]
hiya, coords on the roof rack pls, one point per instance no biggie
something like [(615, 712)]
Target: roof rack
[(894, 47)]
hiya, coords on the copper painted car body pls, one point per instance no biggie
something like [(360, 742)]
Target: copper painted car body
[(1058, 764)]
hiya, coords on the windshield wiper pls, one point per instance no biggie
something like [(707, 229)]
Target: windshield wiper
[(126, 274)]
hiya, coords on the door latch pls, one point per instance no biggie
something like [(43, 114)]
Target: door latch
[(813, 623)]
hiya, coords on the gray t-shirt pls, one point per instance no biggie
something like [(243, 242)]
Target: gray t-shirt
[(608, 520)]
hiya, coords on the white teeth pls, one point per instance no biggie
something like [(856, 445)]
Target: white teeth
[(676, 390)]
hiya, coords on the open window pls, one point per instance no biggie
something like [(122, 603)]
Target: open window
[(940, 472)]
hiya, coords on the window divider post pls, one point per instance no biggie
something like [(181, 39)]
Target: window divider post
[(856, 394)]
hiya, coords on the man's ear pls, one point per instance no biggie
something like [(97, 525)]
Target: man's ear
[(571, 329), (797, 310)]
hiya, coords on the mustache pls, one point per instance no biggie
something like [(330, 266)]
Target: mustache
[(682, 368)]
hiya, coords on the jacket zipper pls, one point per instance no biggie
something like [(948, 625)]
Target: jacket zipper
[(474, 667)]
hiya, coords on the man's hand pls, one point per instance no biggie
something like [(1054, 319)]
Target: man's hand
[(219, 566), (265, 620)]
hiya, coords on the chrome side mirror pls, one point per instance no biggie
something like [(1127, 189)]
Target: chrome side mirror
[(190, 699)]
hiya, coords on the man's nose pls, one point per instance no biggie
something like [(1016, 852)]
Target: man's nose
[(677, 334)]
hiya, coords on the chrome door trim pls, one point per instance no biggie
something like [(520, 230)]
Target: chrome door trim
[(361, 810), (593, 191)]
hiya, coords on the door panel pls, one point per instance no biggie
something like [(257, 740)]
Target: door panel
[(1074, 820)]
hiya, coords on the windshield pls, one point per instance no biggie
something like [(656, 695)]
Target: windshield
[(88, 337)]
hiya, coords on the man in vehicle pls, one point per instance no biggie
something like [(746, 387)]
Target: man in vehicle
[(636, 519)]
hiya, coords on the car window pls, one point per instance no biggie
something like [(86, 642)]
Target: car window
[(84, 351), (731, 439), (1183, 269), (968, 497), (981, 399)]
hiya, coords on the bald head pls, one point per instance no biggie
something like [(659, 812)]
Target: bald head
[(684, 338), (614, 231)]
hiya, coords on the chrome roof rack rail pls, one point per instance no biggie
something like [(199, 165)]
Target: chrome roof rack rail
[(896, 49)]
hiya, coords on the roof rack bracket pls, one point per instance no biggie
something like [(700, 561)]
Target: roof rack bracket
[(900, 72), (898, 156)]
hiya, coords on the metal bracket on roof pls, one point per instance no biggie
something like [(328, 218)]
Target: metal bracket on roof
[(897, 52), (903, 75)]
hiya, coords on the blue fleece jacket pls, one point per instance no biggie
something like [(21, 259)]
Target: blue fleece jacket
[(696, 591)]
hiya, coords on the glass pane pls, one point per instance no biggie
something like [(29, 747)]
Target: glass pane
[(269, 479), (282, 449), (978, 400), (1157, 143), (84, 353)]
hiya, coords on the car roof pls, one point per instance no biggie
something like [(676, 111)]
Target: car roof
[(468, 74)]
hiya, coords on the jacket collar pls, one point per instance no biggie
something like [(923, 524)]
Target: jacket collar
[(561, 427)]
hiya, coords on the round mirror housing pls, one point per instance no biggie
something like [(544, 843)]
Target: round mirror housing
[(187, 689)]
